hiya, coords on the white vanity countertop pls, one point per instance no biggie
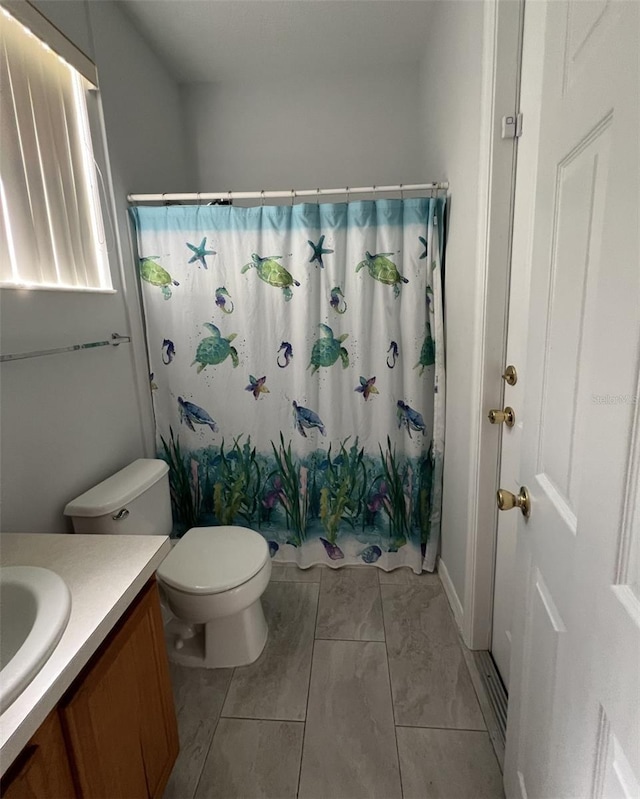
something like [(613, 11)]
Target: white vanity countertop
[(104, 574)]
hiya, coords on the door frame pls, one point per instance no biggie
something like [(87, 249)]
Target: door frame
[(503, 25)]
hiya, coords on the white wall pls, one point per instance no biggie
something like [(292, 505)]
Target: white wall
[(67, 421), (329, 131), (451, 111)]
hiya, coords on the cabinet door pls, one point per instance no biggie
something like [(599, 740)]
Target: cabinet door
[(120, 719), (42, 770)]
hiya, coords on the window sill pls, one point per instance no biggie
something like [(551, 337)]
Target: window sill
[(43, 287)]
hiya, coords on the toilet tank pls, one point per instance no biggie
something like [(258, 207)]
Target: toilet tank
[(134, 501)]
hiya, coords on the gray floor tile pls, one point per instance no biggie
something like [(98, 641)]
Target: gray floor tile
[(429, 679), (289, 572), (252, 759), (406, 576), (448, 764), (276, 685), (350, 606), (199, 694), (349, 746)]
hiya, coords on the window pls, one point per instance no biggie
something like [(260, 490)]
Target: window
[(51, 231)]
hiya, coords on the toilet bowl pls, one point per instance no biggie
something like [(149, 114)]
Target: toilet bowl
[(214, 577), (212, 580)]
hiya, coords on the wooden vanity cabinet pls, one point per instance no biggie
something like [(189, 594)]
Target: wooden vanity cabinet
[(118, 718), (42, 769)]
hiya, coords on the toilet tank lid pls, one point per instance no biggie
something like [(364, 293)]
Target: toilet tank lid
[(122, 487)]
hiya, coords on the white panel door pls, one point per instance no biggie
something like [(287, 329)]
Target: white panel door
[(574, 707)]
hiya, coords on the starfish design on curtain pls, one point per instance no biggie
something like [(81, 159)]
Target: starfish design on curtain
[(200, 253), (424, 242), (366, 387), (257, 386), (318, 251)]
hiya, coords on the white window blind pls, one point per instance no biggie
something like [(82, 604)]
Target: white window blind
[(51, 231)]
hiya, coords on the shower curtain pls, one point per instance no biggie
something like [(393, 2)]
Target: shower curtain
[(297, 373)]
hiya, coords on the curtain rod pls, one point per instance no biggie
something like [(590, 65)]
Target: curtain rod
[(114, 341), (288, 194)]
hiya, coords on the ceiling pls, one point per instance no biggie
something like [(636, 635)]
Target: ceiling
[(223, 40)]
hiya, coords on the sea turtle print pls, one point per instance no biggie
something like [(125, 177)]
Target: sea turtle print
[(156, 275), (191, 414), (427, 353), (273, 273), (410, 418), (305, 418), (215, 349), (383, 270), (327, 349)]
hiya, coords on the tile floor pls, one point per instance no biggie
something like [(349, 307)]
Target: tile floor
[(362, 692)]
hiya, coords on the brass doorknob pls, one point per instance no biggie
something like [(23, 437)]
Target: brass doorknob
[(507, 416), (508, 501)]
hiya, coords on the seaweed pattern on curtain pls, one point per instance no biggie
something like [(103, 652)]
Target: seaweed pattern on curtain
[(297, 373)]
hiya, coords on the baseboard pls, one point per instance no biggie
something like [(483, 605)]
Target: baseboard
[(450, 591)]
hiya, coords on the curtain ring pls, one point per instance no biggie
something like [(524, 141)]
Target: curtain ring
[(293, 196), (401, 192), (229, 196), (262, 197), (199, 198), (374, 192), (347, 193), (318, 196), (163, 202)]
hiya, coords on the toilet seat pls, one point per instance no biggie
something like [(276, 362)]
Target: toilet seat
[(210, 560)]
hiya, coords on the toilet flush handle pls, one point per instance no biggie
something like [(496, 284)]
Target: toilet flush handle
[(120, 515)]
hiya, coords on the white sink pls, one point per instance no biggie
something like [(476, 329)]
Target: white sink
[(35, 605)]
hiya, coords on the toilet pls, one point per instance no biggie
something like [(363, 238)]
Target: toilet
[(212, 580)]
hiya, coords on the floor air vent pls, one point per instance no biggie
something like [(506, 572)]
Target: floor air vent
[(495, 689)]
